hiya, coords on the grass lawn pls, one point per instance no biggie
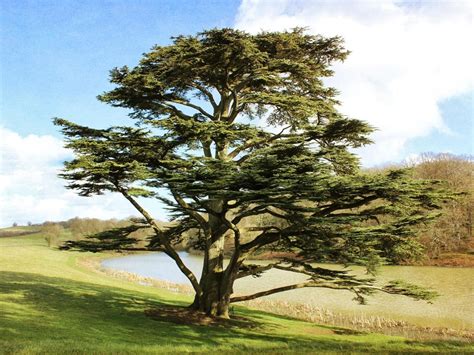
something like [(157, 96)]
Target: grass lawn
[(50, 304)]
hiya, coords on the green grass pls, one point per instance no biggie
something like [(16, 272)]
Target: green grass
[(50, 304)]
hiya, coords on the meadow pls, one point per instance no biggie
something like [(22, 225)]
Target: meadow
[(51, 303)]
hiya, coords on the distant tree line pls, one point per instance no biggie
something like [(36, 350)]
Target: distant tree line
[(452, 232)]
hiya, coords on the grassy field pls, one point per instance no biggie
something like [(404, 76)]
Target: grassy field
[(51, 304)]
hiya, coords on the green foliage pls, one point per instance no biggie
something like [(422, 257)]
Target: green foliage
[(196, 103), (413, 291), (112, 239)]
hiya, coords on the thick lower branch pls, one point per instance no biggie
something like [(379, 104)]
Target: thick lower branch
[(269, 292), (360, 291), (334, 207), (255, 270), (167, 246), (261, 240), (301, 285), (258, 210), (200, 219)]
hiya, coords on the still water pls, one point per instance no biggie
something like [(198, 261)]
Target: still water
[(454, 308)]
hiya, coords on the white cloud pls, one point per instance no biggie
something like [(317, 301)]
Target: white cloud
[(30, 189), (406, 58)]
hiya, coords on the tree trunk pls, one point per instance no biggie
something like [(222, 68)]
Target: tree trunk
[(215, 300), (217, 289), (215, 283)]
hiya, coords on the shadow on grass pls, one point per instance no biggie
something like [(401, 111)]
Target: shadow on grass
[(65, 309), (187, 316), (36, 307)]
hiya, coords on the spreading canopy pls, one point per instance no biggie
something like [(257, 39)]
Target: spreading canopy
[(232, 129)]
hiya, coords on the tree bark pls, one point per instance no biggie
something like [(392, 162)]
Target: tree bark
[(213, 282), (217, 291)]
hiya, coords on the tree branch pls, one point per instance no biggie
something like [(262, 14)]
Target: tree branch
[(269, 292), (169, 250), (262, 239), (393, 288), (234, 109), (236, 259), (196, 107), (206, 148), (255, 270), (207, 93), (334, 207), (191, 212), (177, 112), (302, 285), (258, 210), (254, 143)]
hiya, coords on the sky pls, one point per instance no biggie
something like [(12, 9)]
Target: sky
[(409, 74)]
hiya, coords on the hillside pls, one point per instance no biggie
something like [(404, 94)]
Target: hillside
[(51, 304)]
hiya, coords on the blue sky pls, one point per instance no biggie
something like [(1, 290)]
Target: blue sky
[(409, 74), (458, 113), (57, 54)]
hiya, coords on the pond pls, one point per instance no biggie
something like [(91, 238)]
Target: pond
[(453, 309)]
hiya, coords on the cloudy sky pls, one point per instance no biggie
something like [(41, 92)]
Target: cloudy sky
[(410, 75)]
